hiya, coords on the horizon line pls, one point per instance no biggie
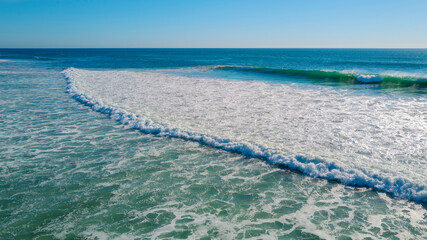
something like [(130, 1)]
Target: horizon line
[(213, 47)]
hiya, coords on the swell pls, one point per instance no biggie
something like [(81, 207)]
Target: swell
[(26, 57), (399, 187), (386, 81), (385, 64)]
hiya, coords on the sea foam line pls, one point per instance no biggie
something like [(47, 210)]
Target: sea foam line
[(400, 187)]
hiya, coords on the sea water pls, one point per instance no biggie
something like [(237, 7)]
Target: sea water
[(213, 143)]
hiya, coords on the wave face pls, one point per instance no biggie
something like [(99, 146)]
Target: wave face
[(376, 142), (388, 80)]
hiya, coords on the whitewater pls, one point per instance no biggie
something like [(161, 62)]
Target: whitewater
[(374, 141), (213, 143)]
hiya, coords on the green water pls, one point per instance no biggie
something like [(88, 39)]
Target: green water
[(67, 172)]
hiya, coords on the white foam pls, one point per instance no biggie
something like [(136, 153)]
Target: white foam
[(400, 74), (377, 142), (368, 78)]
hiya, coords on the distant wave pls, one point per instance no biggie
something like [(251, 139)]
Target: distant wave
[(398, 187), (25, 57), (41, 58), (386, 64), (391, 80)]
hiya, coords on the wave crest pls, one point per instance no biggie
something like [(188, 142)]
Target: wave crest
[(386, 79)]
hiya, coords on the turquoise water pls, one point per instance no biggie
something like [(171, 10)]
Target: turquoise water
[(73, 170)]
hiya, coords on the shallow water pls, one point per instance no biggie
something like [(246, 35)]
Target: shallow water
[(67, 171)]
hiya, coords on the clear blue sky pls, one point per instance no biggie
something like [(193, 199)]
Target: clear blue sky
[(200, 23)]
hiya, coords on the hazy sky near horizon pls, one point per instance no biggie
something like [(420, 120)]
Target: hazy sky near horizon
[(222, 23)]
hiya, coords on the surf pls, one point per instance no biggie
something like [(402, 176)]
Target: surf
[(389, 80), (325, 134)]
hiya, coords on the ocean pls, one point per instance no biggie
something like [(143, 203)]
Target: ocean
[(213, 143)]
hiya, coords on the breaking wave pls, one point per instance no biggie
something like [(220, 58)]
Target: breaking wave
[(392, 80), (100, 89)]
